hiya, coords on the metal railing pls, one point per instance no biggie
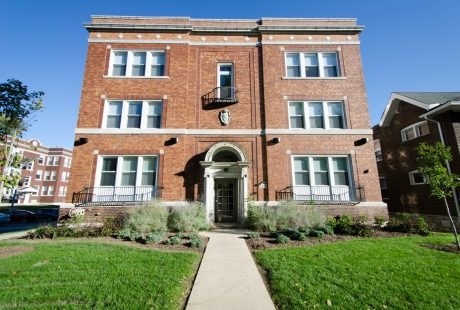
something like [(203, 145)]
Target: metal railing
[(322, 194), (221, 95), (116, 195)]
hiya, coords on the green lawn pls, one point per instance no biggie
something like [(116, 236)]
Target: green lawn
[(91, 275), (386, 273)]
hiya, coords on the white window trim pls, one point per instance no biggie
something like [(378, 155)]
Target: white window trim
[(412, 127), (124, 113), (412, 179), (40, 173), (306, 114), (129, 63), (320, 65), (26, 181), (223, 64), (41, 160), (119, 170), (330, 171)]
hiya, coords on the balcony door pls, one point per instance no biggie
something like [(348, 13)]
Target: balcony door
[(225, 81)]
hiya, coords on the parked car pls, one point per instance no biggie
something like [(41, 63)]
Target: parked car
[(4, 218), (48, 214), (17, 215)]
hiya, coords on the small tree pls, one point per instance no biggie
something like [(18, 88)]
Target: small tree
[(432, 160), (16, 107)]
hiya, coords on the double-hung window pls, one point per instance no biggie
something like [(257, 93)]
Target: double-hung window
[(316, 114), (119, 63), (137, 63), (415, 131), (128, 171), (322, 178), (312, 65), (133, 114)]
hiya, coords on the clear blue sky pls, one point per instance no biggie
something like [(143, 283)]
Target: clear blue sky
[(407, 45)]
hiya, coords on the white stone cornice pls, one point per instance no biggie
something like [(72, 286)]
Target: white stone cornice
[(221, 132)]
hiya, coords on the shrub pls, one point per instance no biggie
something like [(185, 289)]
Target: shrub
[(297, 235), (343, 225), (282, 239), (316, 233), (128, 234), (148, 218), (113, 224), (43, 232), (153, 237), (65, 231), (253, 235), (400, 222), (190, 218), (261, 218), (327, 230), (174, 240), (422, 227), (379, 220), (285, 216), (195, 241)]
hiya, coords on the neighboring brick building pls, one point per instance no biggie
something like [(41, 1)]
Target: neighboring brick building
[(47, 172), (409, 119), (224, 111)]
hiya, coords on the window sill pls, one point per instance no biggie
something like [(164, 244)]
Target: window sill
[(313, 78), (165, 77)]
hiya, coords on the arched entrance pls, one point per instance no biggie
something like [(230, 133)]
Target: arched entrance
[(226, 186)]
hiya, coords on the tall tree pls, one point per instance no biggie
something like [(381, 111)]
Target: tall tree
[(432, 163), (17, 105)]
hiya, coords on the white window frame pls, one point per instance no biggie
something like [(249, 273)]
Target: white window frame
[(415, 128), (326, 116), (412, 180), (149, 54), (321, 65), (41, 160), (53, 176), (47, 176), (65, 176), (330, 171), (125, 110), (62, 191), (39, 173), (26, 181), (30, 165), (119, 169), (47, 190), (232, 81)]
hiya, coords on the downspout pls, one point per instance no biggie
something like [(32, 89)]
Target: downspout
[(441, 136)]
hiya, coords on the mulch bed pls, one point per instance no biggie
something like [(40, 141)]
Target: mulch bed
[(266, 242)]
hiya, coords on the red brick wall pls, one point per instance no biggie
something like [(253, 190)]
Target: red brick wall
[(263, 94), (399, 158)]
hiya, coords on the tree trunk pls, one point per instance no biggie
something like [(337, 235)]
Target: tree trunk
[(454, 229)]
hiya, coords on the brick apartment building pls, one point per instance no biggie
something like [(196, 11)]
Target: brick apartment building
[(47, 171), (224, 111), (409, 119)]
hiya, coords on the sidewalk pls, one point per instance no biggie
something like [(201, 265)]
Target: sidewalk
[(15, 234), (228, 277)]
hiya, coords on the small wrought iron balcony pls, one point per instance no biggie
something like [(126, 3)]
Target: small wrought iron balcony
[(115, 195), (322, 194), (221, 95)]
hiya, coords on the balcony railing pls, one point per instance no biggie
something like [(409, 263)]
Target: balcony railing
[(116, 195), (220, 95), (322, 194)]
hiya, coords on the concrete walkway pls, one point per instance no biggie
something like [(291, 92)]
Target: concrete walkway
[(228, 277)]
